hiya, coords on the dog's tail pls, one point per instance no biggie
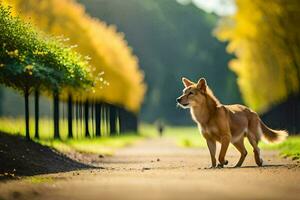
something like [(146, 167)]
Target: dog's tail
[(272, 136)]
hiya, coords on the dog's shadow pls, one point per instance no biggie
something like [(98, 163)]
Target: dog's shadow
[(264, 166), (249, 167)]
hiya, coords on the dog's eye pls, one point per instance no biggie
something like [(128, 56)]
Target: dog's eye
[(191, 93)]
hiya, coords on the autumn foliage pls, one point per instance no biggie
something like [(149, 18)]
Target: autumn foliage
[(265, 37), (122, 81)]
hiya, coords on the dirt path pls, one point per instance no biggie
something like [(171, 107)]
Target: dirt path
[(157, 169)]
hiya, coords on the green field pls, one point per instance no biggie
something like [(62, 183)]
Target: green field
[(105, 144), (186, 137), (189, 137), (16, 126), (289, 148)]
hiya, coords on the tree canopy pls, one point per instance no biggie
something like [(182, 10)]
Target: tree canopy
[(265, 37), (122, 82), (30, 59)]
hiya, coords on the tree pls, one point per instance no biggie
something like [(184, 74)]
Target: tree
[(118, 80), (31, 60), (1, 96), (265, 37), (108, 50)]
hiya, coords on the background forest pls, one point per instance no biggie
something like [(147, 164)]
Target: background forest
[(170, 40)]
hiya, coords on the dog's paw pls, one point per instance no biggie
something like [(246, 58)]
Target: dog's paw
[(225, 162), (260, 163), (220, 166)]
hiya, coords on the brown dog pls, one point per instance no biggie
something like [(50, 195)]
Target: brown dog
[(225, 123)]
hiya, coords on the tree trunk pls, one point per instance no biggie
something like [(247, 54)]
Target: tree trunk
[(56, 114), (106, 111), (80, 118), (86, 118), (112, 119), (36, 112), (128, 121), (77, 119), (93, 118), (70, 116), (26, 96), (1, 96), (98, 119)]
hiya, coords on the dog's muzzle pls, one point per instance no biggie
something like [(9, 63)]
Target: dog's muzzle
[(179, 102)]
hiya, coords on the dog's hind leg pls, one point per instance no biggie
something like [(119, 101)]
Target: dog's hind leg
[(239, 145), (256, 151), (253, 137)]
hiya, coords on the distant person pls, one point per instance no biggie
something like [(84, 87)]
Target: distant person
[(160, 128)]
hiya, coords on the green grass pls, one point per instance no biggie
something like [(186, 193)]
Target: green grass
[(38, 180), (289, 148), (105, 145), (16, 126), (187, 137)]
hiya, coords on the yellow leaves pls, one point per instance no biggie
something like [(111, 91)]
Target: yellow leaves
[(262, 37), (39, 53), (28, 69), (105, 48), (13, 54), (2, 65)]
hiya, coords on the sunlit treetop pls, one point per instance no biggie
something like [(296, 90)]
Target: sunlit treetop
[(114, 67), (265, 37), (30, 59)]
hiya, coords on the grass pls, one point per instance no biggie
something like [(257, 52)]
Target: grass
[(38, 180), (16, 126), (187, 137), (289, 148), (105, 145)]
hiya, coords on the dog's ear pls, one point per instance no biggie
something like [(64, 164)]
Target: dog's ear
[(202, 84), (186, 82)]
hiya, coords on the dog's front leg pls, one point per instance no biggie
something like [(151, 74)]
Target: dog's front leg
[(212, 150), (225, 140)]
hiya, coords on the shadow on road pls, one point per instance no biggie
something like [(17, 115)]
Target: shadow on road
[(250, 167)]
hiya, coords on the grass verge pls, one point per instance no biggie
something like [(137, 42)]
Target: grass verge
[(288, 148), (184, 136), (104, 145), (189, 137)]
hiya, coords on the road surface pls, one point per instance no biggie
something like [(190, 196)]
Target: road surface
[(158, 169)]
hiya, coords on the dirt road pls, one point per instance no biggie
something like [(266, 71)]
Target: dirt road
[(158, 169)]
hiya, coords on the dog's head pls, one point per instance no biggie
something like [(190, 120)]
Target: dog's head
[(194, 94)]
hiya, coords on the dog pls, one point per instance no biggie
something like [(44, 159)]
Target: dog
[(225, 123)]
